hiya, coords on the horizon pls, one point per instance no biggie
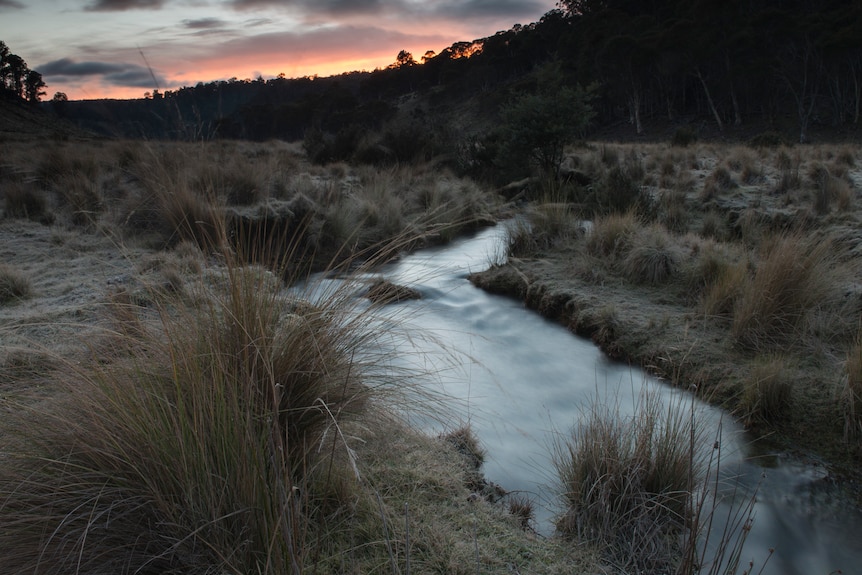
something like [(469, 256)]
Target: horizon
[(122, 49)]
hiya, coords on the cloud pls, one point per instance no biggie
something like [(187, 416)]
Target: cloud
[(488, 8), (10, 4), (123, 5), (204, 23), (406, 9), (114, 74), (333, 7)]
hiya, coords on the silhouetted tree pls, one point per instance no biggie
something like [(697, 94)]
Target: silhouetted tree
[(33, 87)]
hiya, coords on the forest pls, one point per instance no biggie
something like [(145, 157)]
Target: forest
[(791, 66)]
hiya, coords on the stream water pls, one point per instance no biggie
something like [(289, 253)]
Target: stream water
[(519, 380)]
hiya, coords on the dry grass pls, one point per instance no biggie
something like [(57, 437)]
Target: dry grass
[(612, 235), (199, 442), (653, 258), (850, 394), (14, 285), (628, 482), (767, 393), (794, 276)]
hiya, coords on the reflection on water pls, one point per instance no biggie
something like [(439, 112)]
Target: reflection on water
[(519, 379)]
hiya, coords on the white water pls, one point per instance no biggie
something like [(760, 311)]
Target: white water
[(519, 379)]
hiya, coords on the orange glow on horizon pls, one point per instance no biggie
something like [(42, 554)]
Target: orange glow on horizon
[(268, 66)]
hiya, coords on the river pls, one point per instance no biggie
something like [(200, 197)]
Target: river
[(519, 380)]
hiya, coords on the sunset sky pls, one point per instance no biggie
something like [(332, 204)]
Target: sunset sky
[(102, 48)]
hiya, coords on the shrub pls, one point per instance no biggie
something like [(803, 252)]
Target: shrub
[(537, 127), (683, 137), (628, 482), (768, 139), (13, 285)]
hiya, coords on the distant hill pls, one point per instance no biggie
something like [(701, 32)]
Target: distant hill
[(23, 121)]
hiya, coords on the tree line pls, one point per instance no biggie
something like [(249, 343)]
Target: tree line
[(786, 65), (17, 80)]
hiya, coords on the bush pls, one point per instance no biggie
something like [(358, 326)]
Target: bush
[(768, 139), (537, 127), (683, 137)]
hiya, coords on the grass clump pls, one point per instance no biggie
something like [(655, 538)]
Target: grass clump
[(795, 275), (766, 394), (13, 285), (26, 201), (850, 395), (202, 442), (612, 235), (628, 482), (652, 259)]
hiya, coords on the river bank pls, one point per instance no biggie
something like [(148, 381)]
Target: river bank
[(705, 223)]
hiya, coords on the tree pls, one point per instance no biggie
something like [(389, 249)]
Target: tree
[(33, 87), (537, 127), (404, 58)]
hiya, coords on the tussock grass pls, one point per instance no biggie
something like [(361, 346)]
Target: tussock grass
[(653, 257), (548, 224), (794, 276), (628, 482), (850, 393), (23, 200), (202, 441), (767, 392), (718, 182), (13, 285), (613, 234)]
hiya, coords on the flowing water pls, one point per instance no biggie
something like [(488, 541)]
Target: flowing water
[(520, 380)]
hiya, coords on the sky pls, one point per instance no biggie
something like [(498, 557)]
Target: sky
[(91, 49)]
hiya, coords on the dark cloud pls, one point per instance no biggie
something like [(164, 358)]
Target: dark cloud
[(123, 5), (204, 23), (470, 9), (126, 75), (488, 8), (10, 4), (326, 6)]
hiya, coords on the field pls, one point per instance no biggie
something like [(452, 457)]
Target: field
[(154, 373)]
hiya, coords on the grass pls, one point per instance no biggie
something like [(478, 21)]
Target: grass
[(628, 483), (653, 259), (768, 392), (201, 442), (794, 275), (850, 394), (14, 285)]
